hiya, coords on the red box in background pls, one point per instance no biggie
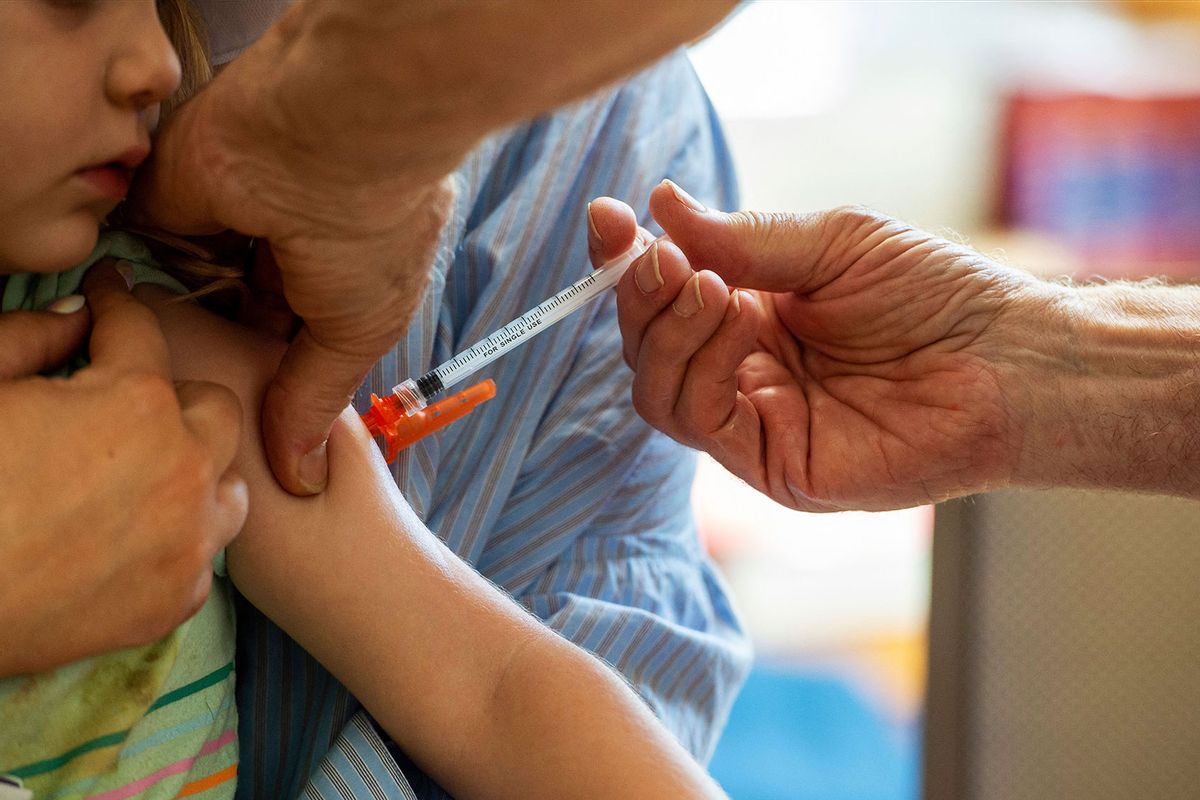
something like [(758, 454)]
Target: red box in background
[(1115, 179)]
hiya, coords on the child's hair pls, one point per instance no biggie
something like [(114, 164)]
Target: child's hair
[(209, 268), (186, 31)]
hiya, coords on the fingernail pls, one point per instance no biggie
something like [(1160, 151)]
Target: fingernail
[(313, 469), (689, 301), (647, 276), (125, 270), (67, 305), (735, 305), (592, 225), (684, 197)]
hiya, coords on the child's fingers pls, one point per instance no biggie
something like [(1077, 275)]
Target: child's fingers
[(670, 342), (709, 391), (649, 285)]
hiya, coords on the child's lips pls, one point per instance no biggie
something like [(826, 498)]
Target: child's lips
[(109, 180)]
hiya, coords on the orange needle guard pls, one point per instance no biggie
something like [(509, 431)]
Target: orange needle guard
[(387, 418)]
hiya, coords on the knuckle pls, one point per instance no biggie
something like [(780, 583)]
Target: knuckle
[(196, 473), (691, 428), (648, 407), (854, 218), (630, 357), (755, 220), (853, 213), (641, 406), (757, 230), (227, 412), (234, 503), (148, 395), (184, 494)]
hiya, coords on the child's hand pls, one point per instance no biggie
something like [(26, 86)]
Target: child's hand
[(117, 493)]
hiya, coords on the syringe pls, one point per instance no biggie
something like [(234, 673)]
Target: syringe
[(415, 394)]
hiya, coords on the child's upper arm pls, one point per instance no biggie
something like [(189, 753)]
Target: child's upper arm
[(352, 574)]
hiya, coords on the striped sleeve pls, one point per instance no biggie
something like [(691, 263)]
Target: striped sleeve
[(359, 767), (599, 542)]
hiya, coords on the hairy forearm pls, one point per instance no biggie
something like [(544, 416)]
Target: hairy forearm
[(482, 695), (420, 82), (1109, 384), (343, 117)]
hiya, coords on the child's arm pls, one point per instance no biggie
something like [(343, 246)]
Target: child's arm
[(483, 696)]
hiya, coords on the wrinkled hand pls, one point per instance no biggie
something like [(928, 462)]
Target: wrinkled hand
[(117, 492), (353, 236), (860, 364), (40, 341), (330, 137)]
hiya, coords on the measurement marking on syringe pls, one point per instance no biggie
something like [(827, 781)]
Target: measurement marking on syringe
[(415, 393)]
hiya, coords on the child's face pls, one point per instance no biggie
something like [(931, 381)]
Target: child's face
[(80, 83)]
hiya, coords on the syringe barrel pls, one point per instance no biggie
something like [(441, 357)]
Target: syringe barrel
[(542, 316), (520, 330), (410, 397)]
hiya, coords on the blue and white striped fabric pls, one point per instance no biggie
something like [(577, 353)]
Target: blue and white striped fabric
[(555, 490)]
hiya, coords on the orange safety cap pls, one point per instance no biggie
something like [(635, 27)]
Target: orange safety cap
[(387, 418)]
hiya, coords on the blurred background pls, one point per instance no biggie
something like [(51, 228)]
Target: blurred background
[(1062, 137)]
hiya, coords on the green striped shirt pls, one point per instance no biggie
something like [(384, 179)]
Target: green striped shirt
[(157, 721)]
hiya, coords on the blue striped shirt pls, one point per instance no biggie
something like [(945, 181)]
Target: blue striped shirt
[(555, 490)]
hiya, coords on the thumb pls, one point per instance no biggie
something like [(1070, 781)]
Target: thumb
[(752, 250), (36, 341), (313, 385)]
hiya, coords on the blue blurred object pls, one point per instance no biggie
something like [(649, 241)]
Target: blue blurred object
[(800, 734)]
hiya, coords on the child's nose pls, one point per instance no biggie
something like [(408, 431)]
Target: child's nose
[(146, 70)]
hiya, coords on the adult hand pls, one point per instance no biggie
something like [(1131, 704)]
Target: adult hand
[(354, 251), (330, 136), (117, 491), (38, 341), (868, 366)]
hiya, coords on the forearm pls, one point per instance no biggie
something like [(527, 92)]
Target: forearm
[(569, 720), (1108, 387), (479, 694), (477, 691), (422, 82)]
